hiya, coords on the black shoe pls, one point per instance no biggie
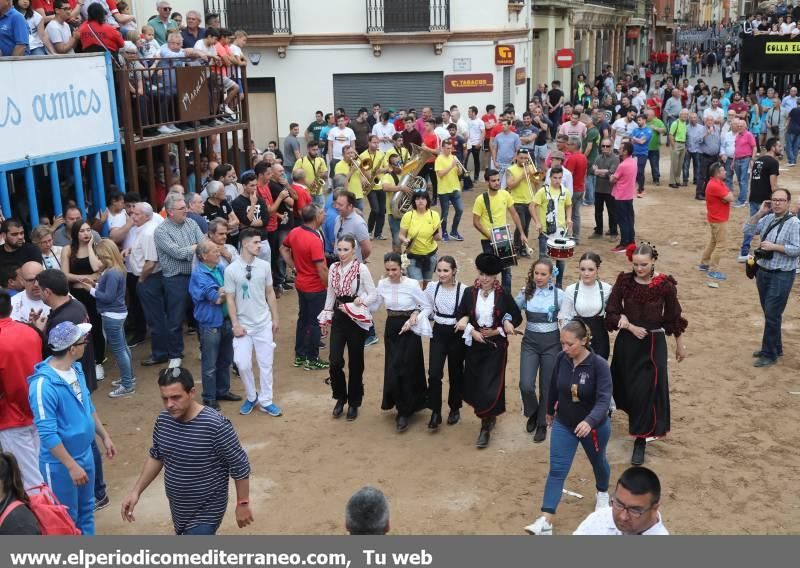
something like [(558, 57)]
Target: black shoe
[(453, 417), (757, 354), (135, 342), (352, 413), (674, 185), (483, 438), (402, 423), (540, 435), (235, 369), (286, 287), (102, 503), (151, 362), (212, 404), (229, 396), (338, 409), (764, 362), (637, 458), (436, 420), (530, 426)]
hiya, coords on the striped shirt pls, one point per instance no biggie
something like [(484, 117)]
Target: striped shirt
[(198, 456), (174, 244)]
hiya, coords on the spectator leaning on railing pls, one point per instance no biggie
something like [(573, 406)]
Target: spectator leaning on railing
[(60, 37)]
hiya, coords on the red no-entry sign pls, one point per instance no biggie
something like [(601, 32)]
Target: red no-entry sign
[(565, 58)]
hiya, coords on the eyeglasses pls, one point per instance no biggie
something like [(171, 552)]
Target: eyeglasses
[(634, 512), (774, 200), (78, 344), (166, 8), (605, 145)]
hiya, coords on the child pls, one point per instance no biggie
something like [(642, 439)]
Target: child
[(150, 47)]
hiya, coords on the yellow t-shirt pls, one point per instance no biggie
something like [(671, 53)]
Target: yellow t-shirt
[(563, 199), (450, 182), (499, 205), (421, 228), (355, 182), (388, 178), (378, 161), (308, 166), (520, 192)]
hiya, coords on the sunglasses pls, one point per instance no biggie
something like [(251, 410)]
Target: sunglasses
[(248, 272)]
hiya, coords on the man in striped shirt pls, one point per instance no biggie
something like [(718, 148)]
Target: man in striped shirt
[(198, 449)]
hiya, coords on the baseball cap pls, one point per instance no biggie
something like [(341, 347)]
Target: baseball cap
[(66, 334)]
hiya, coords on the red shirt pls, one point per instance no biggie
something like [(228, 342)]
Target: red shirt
[(303, 198), (307, 251), (46, 5), (431, 141), (489, 120), (578, 165), (265, 194), (20, 350), (739, 107), (498, 129), (400, 124), (719, 211), (110, 37)]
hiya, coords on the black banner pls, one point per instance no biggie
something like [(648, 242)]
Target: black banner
[(770, 54)]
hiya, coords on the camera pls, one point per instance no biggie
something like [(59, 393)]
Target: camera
[(761, 254)]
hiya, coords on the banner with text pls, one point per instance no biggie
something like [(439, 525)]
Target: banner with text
[(770, 54)]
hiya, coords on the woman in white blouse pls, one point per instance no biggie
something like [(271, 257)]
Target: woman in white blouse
[(446, 345), (586, 300), (404, 384), (350, 291)]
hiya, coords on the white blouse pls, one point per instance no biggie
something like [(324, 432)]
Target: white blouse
[(444, 302), (403, 296), (588, 302), (484, 309), (364, 289)]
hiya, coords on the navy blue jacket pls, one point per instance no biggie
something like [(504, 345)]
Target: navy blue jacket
[(593, 380)]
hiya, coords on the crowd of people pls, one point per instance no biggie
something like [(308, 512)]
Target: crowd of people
[(216, 259)]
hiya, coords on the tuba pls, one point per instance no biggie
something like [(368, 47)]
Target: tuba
[(402, 202)]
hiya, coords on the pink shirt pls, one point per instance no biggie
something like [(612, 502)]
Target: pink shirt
[(745, 144), (625, 187), (573, 129)]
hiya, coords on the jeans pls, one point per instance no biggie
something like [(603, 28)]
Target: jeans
[(114, 332), (359, 205), (641, 164), (421, 271), (137, 325), (742, 168), (502, 169), (377, 212), (625, 219), (745, 250), (307, 335), (274, 240), (792, 146), (539, 156), (445, 200), (563, 444), (653, 156), (201, 530), (728, 165), (705, 161), (524, 213), (99, 479), (216, 357), (773, 293), (560, 264), (394, 227), (577, 198), (691, 159), (176, 294), (506, 276), (588, 196), (319, 200), (79, 499), (152, 297)]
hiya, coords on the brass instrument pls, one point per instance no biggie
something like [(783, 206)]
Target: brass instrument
[(403, 201), (538, 177), (376, 179), (362, 167), (461, 167), (318, 182)]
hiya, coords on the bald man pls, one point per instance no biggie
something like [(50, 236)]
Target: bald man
[(27, 306)]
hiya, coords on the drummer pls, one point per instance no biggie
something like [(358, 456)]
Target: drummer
[(519, 184), (552, 217), (484, 219), (586, 300)]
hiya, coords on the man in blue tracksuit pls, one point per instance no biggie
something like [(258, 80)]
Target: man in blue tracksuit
[(67, 423)]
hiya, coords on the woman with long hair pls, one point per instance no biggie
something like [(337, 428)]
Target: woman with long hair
[(644, 307), (577, 412), (109, 293), (446, 345), (586, 301), (754, 119), (419, 232), (404, 385), (541, 301), (15, 516), (488, 316), (350, 290), (82, 267), (34, 21)]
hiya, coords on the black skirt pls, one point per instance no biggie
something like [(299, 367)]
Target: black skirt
[(641, 385), (404, 381), (485, 376), (600, 343)]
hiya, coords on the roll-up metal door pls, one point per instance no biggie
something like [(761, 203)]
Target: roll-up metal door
[(392, 90)]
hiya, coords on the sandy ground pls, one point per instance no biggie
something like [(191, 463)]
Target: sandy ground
[(728, 466)]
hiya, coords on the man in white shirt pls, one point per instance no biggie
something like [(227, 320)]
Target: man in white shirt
[(384, 130), (58, 31), (557, 160), (623, 127), (462, 125), (476, 132), (715, 111), (789, 101), (639, 98), (338, 138), (27, 306), (634, 508)]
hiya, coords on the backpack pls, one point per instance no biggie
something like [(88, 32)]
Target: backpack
[(52, 516)]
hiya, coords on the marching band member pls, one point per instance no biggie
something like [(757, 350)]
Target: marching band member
[(356, 178), (449, 187), (447, 346), (390, 184), (487, 315), (350, 290), (552, 206), (404, 384), (398, 149), (377, 206), (316, 172), (644, 307), (419, 231), (489, 211), (586, 300), (541, 301), (519, 186)]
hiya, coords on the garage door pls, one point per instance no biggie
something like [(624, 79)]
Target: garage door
[(391, 90)]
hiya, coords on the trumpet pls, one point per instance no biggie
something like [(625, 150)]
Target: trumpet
[(461, 168)]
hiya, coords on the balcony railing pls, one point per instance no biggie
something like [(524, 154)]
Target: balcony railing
[(261, 17), (397, 16), (619, 4)]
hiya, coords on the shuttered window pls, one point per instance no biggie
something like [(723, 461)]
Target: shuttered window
[(391, 90)]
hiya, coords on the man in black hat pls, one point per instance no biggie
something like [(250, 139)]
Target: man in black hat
[(488, 316)]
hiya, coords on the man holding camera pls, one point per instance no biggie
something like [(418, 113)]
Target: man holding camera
[(776, 258)]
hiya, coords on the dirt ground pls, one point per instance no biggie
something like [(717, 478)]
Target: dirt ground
[(728, 466)]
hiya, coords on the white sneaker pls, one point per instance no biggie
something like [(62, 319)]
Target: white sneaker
[(175, 362), (99, 372), (742, 258), (163, 129), (540, 527), (601, 500)]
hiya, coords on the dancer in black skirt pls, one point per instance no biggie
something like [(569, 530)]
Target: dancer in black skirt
[(404, 383), (446, 344), (586, 300), (488, 316), (644, 308)]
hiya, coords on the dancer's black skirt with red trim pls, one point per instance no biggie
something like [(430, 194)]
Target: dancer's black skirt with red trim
[(641, 385), (485, 376), (404, 382)]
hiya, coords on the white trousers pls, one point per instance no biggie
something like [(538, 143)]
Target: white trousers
[(23, 443), (243, 347)]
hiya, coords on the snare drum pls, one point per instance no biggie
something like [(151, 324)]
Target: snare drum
[(560, 247), (503, 245)]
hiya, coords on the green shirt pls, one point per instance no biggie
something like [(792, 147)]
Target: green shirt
[(655, 141), (678, 131), (593, 137), (161, 31)]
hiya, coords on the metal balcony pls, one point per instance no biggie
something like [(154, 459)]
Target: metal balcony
[(408, 16), (259, 17), (618, 4)]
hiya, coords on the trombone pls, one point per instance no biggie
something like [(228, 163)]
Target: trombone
[(461, 168), (362, 168), (537, 176)]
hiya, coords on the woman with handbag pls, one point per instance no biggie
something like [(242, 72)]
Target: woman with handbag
[(419, 232)]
